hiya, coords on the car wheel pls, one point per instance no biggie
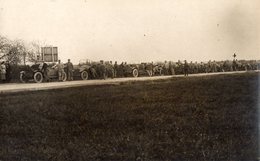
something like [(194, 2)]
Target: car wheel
[(135, 73), (23, 77), (150, 73), (64, 76), (84, 75), (160, 72), (38, 77)]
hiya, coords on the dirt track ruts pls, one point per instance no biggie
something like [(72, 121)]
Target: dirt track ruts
[(19, 87)]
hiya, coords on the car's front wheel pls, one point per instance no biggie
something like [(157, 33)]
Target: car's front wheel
[(38, 77), (23, 78), (84, 75), (64, 76), (135, 73)]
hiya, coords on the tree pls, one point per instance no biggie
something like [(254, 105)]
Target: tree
[(4, 46), (17, 51)]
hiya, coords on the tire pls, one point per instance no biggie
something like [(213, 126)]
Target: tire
[(84, 75), (160, 72), (64, 76), (135, 73), (23, 77), (38, 77), (150, 74)]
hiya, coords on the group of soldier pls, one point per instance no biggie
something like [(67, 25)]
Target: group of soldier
[(104, 69), (5, 72), (60, 68), (214, 66), (69, 70)]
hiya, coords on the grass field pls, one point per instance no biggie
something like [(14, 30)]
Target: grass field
[(192, 118)]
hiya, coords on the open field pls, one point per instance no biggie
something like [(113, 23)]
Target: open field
[(183, 118)]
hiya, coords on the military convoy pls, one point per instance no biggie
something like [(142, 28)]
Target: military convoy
[(102, 70)]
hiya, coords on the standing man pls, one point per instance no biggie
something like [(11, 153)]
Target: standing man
[(166, 67), (44, 69), (115, 68), (149, 69), (120, 72), (103, 69), (171, 68), (60, 67), (3, 71), (70, 69), (8, 71), (186, 68)]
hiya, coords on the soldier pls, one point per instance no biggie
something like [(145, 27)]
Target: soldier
[(93, 71), (191, 68), (60, 67), (166, 68), (102, 69), (234, 65), (3, 71), (149, 69), (44, 68), (8, 71), (214, 66), (115, 68), (179, 67), (70, 69), (186, 68), (120, 71), (125, 69), (208, 67), (110, 69), (196, 67), (171, 68)]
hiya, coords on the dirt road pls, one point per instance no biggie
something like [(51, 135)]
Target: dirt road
[(18, 87)]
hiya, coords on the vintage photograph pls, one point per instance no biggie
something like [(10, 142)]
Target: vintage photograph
[(129, 80)]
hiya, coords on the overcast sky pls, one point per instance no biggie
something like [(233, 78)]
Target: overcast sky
[(137, 30)]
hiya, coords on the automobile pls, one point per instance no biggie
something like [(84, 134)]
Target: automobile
[(82, 71), (158, 69), (145, 69), (131, 70), (102, 70), (34, 72)]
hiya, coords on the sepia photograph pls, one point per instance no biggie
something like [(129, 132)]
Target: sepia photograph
[(129, 80)]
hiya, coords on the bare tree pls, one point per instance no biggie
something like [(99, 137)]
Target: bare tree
[(5, 45), (17, 51)]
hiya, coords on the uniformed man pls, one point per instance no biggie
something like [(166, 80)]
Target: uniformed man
[(102, 69), (44, 68), (234, 65), (3, 72), (8, 71), (120, 72), (149, 69), (70, 69), (186, 68), (195, 67), (214, 66), (60, 68), (171, 68), (115, 68), (125, 69), (179, 67), (166, 67)]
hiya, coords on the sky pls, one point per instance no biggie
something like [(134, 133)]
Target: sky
[(137, 30)]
